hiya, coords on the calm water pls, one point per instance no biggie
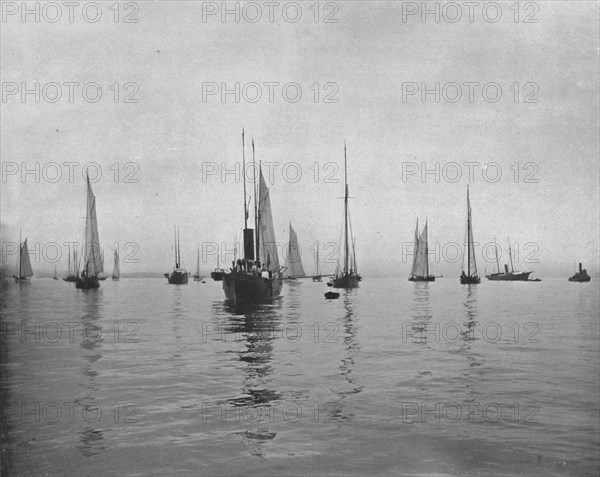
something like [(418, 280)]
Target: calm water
[(143, 378)]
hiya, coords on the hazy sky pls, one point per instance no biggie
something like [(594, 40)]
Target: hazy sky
[(365, 61)]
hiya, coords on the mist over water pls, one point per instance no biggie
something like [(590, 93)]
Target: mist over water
[(142, 378)]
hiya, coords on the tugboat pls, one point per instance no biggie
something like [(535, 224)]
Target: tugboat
[(179, 276), (470, 277), (580, 276), (420, 267), (511, 276), (24, 271), (92, 260), (346, 275), (257, 277)]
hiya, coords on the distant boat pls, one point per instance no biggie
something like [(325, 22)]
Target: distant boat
[(55, 277), (91, 250), (116, 274), (471, 276), (295, 269), (580, 276), (256, 278), (71, 274), (217, 274), (179, 276), (102, 275), (346, 275), (197, 276), (24, 270), (317, 276), (511, 276), (420, 266)]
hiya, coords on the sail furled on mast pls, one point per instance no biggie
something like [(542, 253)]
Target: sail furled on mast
[(267, 243), (25, 261), (92, 256), (294, 257), (116, 271)]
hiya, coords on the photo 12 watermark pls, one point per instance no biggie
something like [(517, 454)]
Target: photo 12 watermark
[(53, 172), (67, 332), (474, 412), (69, 12), (69, 92), (453, 172), (270, 12), (469, 92), (70, 412), (470, 12), (270, 92)]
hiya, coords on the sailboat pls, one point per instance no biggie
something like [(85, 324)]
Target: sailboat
[(346, 275), (24, 270), (295, 269), (256, 278), (580, 276), (420, 266), (511, 276), (116, 274), (317, 276), (471, 276), (71, 273), (92, 261), (55, 277), (197, 276), (102, 275), (179, 276)]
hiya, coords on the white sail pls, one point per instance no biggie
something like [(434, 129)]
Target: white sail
[(420, 267), (116, 270), (92, 256), (471, 266), (25, 262), (267, 243), (294, 257)]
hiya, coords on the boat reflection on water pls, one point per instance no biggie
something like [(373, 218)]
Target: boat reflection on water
[(256, 326), (420, 314), (91, 343), (347, 365)]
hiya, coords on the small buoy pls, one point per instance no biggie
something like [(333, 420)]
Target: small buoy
[(332, 295)]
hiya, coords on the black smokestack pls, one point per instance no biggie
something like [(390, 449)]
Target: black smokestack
[(580, 266), (249, 244)]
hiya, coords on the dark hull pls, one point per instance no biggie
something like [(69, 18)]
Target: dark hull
[(87, 283), (242, 288), (509, 277), (217, 276), (70, 278), (465, 280), (348, 281), (580, 279), (178, 278), (429, 278)]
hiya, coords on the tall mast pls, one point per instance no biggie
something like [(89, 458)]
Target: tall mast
[(178, 250), (345, 211), (256, 209), (510, 255), (496, 250), (468, 234), (426, 250), (20, 252), (69, 261), (244, 181), (86, 223), (175, 236), (317, 258)]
